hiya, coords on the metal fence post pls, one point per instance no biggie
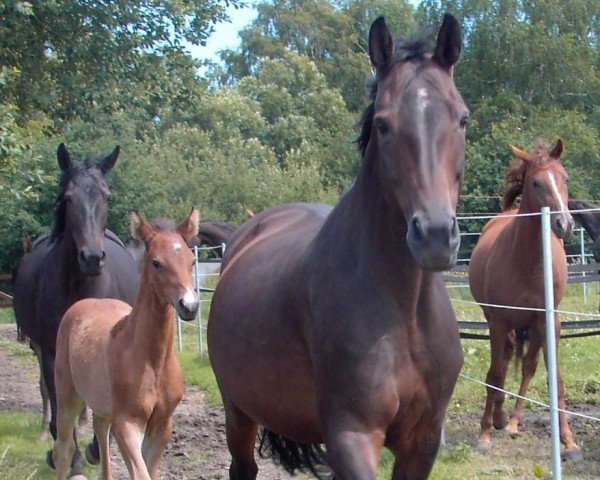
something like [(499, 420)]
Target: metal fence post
[(551, 343), (199, 315)]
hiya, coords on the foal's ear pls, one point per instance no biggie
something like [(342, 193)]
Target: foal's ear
[(64, 158), (558, 149), (108, 162), (189, 227), (449, 43), (140, 228), (522, 154), (381, 44)]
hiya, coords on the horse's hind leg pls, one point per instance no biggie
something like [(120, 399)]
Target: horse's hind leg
[(64, 445), (43, 392), (528, 368), (102, 432), (69, 393), (241, 437)]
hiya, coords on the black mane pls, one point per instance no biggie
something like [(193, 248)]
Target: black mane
[(404, 51)]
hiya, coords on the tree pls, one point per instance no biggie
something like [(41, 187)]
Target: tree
[(76, 54)]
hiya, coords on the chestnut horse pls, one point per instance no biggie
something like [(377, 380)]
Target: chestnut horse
[(120, 362), (79, 259), (506, 268), (333, 325)]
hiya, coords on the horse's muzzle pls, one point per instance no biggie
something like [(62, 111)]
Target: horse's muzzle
[(187, 306), (91, 262), (434, 240)]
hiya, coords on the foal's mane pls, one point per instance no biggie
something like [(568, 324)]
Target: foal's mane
[(60, 207), (515, 175), (404, 51)]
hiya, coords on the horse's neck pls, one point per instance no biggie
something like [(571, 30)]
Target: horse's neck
[(151, 324), (374, 230)]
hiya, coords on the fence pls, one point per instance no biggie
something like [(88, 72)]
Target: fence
[(578, 273)]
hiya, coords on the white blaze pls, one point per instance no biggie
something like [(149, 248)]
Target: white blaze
[(556, 192), (422, 97), (177, 246)]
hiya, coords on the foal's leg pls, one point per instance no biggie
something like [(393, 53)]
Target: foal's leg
[(528, 368), (102, 432), (129, 434), (241, 437), (572, 450), (64, 446), (155, 441)]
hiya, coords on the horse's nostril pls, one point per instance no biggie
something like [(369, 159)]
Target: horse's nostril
[(103, 255), (417, 229)]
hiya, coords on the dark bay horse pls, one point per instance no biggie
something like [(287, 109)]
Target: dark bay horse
[(214, 234), (333, 326), (120, 361), (79, 259), (506, 269), (590, 221)]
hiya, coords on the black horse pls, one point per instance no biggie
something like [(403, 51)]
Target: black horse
[(79, 259), (590, 221)]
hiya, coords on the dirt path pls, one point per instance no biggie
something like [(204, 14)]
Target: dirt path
[(197, 450)]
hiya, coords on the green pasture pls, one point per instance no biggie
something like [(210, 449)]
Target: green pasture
[(21, 455)]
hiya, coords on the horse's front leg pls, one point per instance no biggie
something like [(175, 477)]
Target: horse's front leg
[(353, 454), (155, 441), (572, 450), (129, 433)]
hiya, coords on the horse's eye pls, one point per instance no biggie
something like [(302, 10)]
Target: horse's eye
[(463, 121), (381, 125), (536, 183), (156, 264)]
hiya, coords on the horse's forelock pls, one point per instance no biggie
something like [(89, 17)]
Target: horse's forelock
[(404, 51)]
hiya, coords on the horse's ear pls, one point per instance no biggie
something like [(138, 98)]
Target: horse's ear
[(64, 158), (140, 228), (522, 154), (381, 44), (558, 149), (108, 162), (449, 43), (188, 228)]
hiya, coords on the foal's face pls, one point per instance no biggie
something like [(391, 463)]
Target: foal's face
[(170, 263)]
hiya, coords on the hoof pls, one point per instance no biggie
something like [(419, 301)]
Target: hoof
[(484, 447), (78, 477), (572, 456), (500, 423), (92, 455), (50, 459), (514, 433)]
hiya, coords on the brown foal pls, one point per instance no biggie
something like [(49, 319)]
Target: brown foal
[(120, 361)]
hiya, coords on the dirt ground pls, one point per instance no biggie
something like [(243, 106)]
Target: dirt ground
[(197, 449)]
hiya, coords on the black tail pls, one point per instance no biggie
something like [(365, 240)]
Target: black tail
[(291, 455), (521, 337)]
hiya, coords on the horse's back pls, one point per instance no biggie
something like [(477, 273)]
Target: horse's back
[(82, 348)]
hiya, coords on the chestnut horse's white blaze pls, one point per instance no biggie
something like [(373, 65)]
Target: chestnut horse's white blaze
[(120, 361)]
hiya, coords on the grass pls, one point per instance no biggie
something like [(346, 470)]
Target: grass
[(526, 457)]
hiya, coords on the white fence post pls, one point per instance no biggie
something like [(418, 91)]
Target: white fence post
[(551, 343)]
